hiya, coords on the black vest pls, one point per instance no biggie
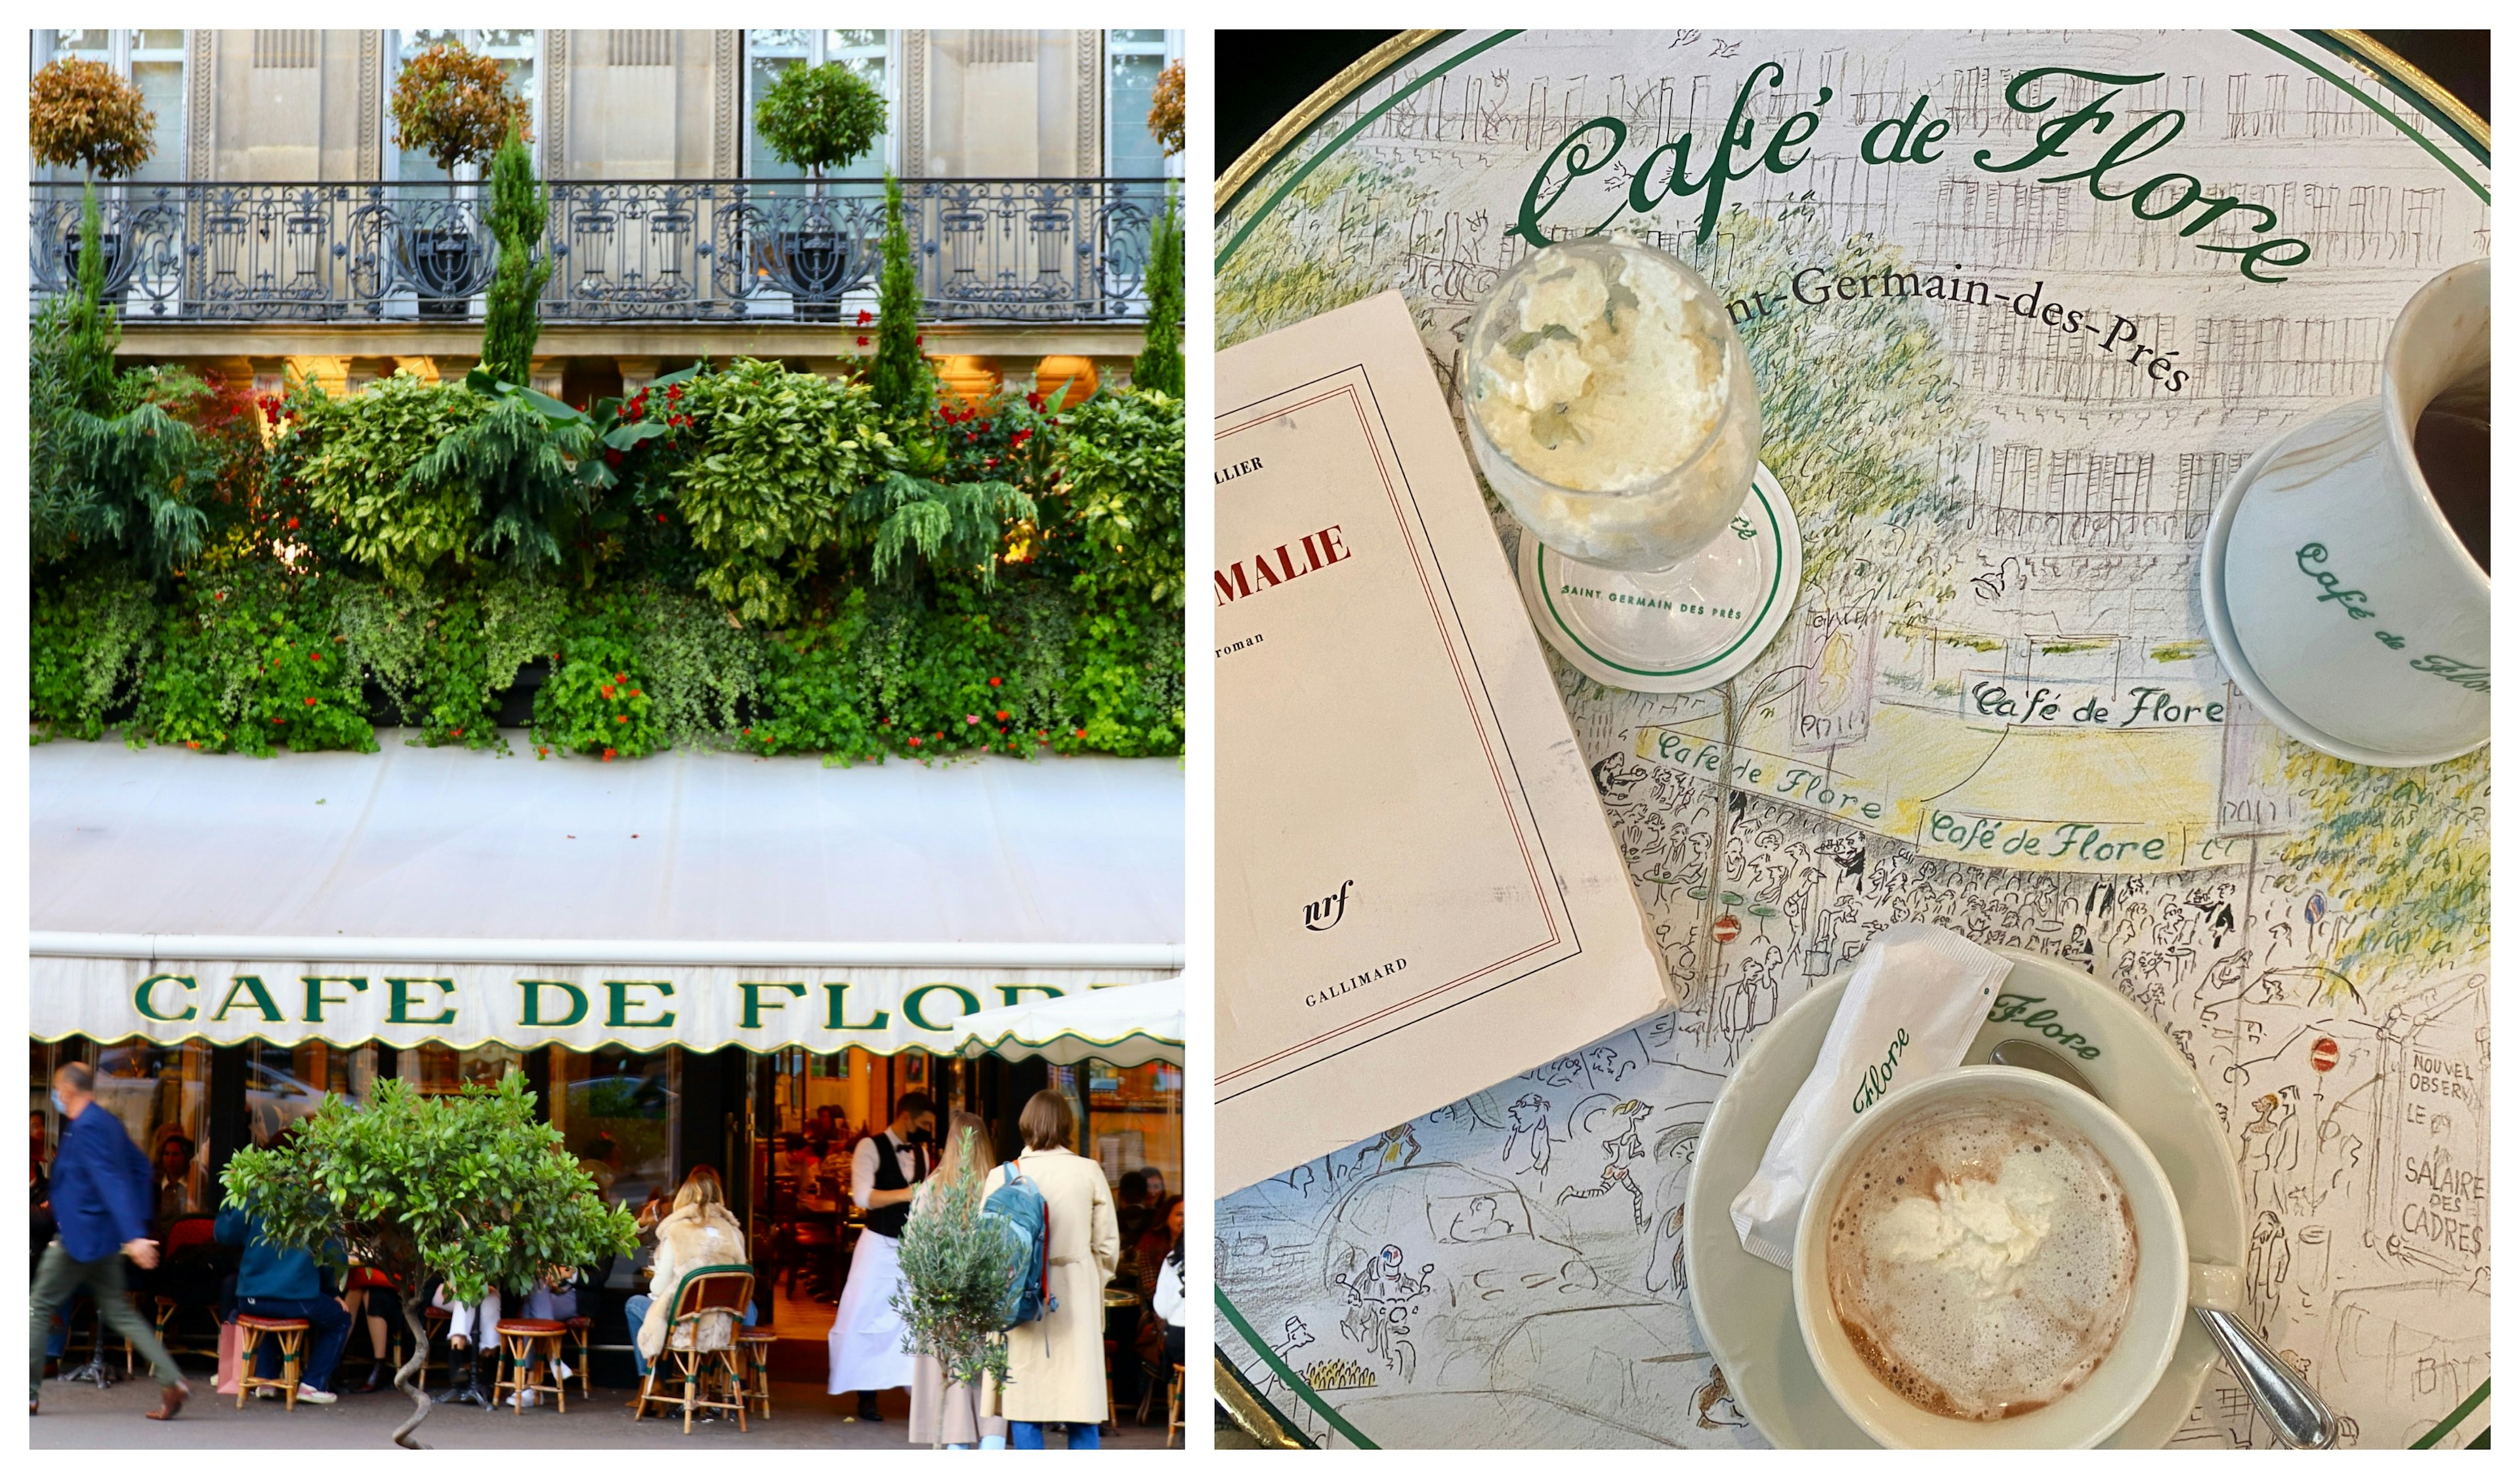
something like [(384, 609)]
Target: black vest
[(888, 1177)]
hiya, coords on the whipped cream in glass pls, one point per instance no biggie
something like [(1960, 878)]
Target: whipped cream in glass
[(1610, 403)]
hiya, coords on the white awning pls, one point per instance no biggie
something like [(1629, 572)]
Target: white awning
[(1126, 1025), (701, 898)]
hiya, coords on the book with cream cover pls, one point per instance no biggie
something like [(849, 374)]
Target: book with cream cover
[(1417, 895)]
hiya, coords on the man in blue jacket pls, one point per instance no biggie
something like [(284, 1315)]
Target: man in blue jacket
[(286, 1284), (101, 1209)]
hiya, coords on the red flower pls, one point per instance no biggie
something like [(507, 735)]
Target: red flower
[(914, 741), (606, 691), (310, 703), (862, 340), (192, 745), (621, 677), (864, 318), (621, 718), (673, 392), (610, 753), (613, 457), (1002, 716), (994, 682), (920, 339), (1080, 734), (635, 693), (661, 518), (293, 522)]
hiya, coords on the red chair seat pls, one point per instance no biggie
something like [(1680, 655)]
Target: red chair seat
[(531, 1327), (265, 1323), (579, 1323)]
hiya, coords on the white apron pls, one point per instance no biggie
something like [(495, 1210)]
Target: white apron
[(866, 1335)]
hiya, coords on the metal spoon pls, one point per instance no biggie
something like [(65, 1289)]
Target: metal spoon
[(2283, 1397)]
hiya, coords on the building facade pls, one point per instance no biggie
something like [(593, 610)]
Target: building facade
[(281, 229)]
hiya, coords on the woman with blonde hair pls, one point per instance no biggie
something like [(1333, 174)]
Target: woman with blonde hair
[(965, 1415), (1055, 1364), (700, 1231)]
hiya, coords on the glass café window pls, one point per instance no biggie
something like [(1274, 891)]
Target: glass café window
[(285, 1083), (768, 52), (446, 1070), (152, 59), (516, 50), (160, 1092), (1131, 61), (1137, 1120), (619, 1113)]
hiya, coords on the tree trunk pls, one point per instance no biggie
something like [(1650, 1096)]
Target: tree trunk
[(407, 1381)]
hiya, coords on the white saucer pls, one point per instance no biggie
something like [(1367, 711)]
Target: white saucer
[(2226, 641), (1745, 1306), (1682, 631)]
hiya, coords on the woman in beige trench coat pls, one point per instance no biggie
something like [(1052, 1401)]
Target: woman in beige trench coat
[(1055, 1364)]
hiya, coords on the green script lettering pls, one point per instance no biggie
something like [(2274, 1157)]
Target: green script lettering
[(262, 1002), (317, 1000)]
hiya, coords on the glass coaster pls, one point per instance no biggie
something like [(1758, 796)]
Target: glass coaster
[(1679, 630)]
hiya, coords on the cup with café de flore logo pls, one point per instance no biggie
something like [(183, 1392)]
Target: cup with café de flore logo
[(2345, 572)]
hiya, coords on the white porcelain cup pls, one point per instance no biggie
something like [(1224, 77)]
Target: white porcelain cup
[(2165, 1280), (2361, 621)]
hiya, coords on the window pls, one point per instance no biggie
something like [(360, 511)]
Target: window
[(446, 1070), (152, 59), (1137, 1120), (516, 52), (161, 1091), (286, 1084), (1132, 60), (619, 1113), (768, 52)]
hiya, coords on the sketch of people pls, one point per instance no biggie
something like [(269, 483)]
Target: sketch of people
[(1479, 1222), (1392, 1141), (1622, 1148), (2269, 1148), (1529, 1130), (2269, 1262)]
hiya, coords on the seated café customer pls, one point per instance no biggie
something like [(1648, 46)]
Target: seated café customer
[(171, 1188), (700, 1231), (471, 1345), (554, 1297), (286, 1284)]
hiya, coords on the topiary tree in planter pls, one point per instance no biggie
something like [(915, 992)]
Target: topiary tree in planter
[(519, 212), (817, 118), (468, 1187), (958, 1270), (901, 376), (1166, 119), (455, 107), (1160, 366), (79, 113)]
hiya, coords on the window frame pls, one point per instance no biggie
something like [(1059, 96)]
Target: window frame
[(390, 154), (818, 50), (1170, 51), (119, 53)]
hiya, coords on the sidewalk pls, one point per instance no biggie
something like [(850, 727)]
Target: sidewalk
[(801, 1416)]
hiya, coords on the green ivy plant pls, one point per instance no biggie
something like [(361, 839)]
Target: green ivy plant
[(768, 494), (94, 640)]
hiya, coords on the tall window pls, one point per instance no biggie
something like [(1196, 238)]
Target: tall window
[(152, 59), (868, 53), (516, 52), (1132, 60)]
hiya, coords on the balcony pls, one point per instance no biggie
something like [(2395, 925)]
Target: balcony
[(622, 251)]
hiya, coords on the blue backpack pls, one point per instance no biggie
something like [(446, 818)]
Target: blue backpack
[(1019, 1204)]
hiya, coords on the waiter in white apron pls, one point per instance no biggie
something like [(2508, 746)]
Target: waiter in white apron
[(867, 1354)]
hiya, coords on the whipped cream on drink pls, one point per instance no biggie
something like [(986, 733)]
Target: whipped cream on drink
[(1982, 1259), (1612, 403)]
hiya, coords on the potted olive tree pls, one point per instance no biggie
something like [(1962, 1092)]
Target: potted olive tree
[(468, 1187), (79, 113), (456, 108), (817, 118)]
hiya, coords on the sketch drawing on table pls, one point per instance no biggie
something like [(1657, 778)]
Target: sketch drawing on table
[(2000, 711)]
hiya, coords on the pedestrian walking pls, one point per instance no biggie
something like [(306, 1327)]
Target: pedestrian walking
[(867, 1335), (99, 1199), (1055, 1364)]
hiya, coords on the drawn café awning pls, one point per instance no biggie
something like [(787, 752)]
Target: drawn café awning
[(703, 899)]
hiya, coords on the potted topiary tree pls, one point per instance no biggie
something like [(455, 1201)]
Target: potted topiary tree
[(959, 1265), (79, 113), (454, 107), (817, 118), (468, 1187)]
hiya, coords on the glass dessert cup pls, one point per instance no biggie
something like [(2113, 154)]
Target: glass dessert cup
[(1612, 410), (1652, 455)]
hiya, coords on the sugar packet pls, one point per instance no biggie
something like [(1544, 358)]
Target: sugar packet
[(1917, 997)]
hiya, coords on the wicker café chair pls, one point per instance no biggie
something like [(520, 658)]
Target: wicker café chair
[(700, 1343)]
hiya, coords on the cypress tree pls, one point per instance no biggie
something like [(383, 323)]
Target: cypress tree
[(94, 329), (900, 370), (519, 212), (1160, 366)]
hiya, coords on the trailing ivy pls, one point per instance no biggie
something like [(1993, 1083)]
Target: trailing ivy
[(251, 666), (93, 640)]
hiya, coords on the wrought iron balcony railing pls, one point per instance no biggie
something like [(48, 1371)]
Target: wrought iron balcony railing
[(210, 251)]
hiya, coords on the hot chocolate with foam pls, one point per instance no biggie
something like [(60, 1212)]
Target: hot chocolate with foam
[(1981, 1259)]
